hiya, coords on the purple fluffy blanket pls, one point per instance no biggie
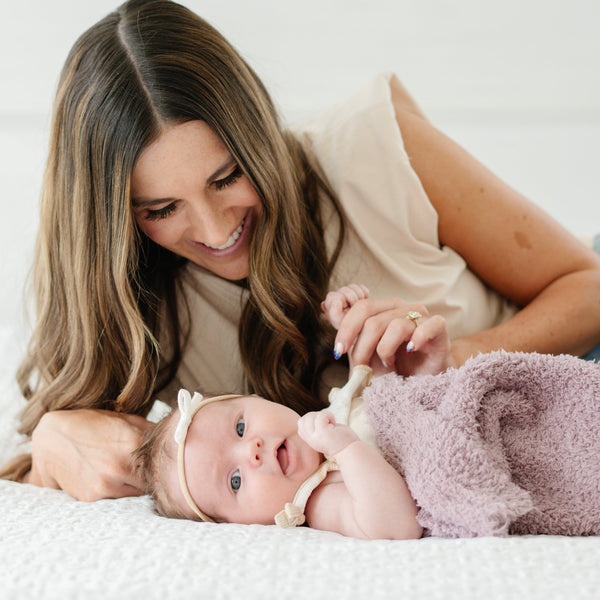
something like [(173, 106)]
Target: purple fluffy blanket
[(507, 444)]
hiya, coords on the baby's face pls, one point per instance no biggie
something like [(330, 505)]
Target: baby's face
[(244, 459)]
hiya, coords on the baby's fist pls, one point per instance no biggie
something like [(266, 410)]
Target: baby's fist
[(320, 431)]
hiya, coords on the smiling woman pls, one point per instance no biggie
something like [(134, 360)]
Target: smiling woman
[(187, 240)]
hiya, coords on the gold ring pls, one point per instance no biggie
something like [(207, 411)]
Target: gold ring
[(414, 316)]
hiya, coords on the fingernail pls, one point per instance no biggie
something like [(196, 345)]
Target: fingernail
[(338, 350), (410, 346), (384, 363)]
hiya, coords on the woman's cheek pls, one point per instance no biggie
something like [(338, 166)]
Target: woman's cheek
[(161, 232)]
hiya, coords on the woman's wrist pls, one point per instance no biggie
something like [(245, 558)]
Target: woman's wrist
[(463, 349)]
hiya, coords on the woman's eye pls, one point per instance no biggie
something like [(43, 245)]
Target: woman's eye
[(240, 427), (236, 481), (161, 213), (229, 180)]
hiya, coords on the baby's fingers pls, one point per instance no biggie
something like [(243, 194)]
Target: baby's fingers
[(314, 420), (313, 425), (338, 302), (354, 292), (323, 419)]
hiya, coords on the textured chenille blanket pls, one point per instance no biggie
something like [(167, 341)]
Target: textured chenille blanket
[(507, 444)]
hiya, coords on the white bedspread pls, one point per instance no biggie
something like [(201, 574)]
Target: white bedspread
[(55, 547)]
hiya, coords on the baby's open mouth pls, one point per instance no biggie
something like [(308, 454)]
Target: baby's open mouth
[(282, 457)]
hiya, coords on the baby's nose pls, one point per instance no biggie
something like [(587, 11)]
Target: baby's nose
[(255, 450)]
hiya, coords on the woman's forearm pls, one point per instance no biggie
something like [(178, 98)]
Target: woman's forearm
[(563, 318)]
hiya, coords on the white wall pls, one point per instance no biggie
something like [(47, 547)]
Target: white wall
[(517, 82)]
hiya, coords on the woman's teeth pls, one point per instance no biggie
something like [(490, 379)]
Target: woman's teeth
[(232, 238)]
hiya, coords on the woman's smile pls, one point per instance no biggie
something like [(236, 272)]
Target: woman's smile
[(234, 243)]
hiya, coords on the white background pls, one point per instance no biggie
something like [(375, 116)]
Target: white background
[(516, 82)]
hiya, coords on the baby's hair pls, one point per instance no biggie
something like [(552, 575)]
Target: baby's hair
[(149, 462)]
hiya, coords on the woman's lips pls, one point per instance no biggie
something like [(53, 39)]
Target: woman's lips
[(234, 243)]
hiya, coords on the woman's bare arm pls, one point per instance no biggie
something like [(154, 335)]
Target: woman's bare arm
[(511, 244)]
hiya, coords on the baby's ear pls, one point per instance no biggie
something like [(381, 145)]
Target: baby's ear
[(139, 460), (143, 460)]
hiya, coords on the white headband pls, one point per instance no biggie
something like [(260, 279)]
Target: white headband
[(188, 407)]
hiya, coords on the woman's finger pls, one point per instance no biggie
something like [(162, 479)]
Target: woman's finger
[(398, 333), (430, 330), (370, 318), (382, 326), (87, 453)]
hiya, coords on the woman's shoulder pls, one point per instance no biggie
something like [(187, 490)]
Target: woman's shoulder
[(359, 146), (355, 133), (371, 100), (375, 90)]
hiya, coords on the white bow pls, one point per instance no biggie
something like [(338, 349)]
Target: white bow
[(187, 408)]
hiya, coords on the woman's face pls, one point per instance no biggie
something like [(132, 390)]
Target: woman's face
[(189, 196)]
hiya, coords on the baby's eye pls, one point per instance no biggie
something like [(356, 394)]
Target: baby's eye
[(236, 481), (240, 427)]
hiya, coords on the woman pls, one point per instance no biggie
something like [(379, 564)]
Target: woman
[(187, 239)]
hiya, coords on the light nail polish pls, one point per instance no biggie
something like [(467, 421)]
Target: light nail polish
[(410, 346)]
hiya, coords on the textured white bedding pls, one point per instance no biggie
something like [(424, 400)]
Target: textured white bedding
[(52, 546)]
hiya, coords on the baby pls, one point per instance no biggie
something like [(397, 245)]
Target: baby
[(243, 459)]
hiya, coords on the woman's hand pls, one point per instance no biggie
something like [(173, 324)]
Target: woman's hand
[(87, 453), (387, 334)]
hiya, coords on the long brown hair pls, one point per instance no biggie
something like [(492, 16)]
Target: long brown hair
[(107, 301)]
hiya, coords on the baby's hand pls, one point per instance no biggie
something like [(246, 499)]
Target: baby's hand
[(320, 431), (337, 303)]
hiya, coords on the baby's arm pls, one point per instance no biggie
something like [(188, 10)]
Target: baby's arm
[(372, 501)]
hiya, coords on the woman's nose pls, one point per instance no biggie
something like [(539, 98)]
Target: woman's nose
[(209, 225)]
